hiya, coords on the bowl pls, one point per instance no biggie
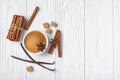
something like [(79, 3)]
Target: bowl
[(35, 42)]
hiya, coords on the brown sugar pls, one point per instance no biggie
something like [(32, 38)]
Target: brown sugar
[(53, 24), (32, 39), (29, 68), (48, 30), (46, 25)]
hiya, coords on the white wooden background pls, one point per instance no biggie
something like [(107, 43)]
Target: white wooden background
[(90, 39)]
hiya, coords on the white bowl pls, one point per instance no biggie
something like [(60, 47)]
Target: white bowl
[(37, 53)]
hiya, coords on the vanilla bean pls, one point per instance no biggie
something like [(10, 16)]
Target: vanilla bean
[(34, 60), (31, 61)]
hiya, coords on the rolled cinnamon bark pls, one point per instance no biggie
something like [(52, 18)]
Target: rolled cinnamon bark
[(56, 41), (9, 36), (59, 45), (15, 28), (16, 25), (18, 35), (31, 18)]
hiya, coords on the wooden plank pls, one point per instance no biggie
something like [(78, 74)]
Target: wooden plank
[(98, 40), (70, 17), (101, 26), (116, 24), (1, 77), (43, 15), (11, 69)]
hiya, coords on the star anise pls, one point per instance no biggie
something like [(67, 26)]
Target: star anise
[(41, 46)]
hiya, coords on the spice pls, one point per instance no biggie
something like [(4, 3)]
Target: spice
[(31, 18), (41, 46), (56, 41), (15, 28), (34, 60)]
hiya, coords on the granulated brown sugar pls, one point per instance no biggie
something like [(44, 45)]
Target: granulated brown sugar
[(29, 68), (32, 39)]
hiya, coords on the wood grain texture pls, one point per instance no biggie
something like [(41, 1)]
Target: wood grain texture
[(1, 72), (90, 39), (43, 15), (98, 40), (116, 24), (11, 69), (70, 15)]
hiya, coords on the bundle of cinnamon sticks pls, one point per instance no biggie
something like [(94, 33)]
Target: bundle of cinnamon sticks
[(17, 25), (15, 28)]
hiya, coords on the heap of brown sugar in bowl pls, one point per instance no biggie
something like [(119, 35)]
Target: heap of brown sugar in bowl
[(35, 41)]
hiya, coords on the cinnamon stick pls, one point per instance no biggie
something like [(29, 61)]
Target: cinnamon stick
[(31, 18), (20, 28), (56, 41), (15, 29), (13, 22), (52, 46), (59, 45)]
